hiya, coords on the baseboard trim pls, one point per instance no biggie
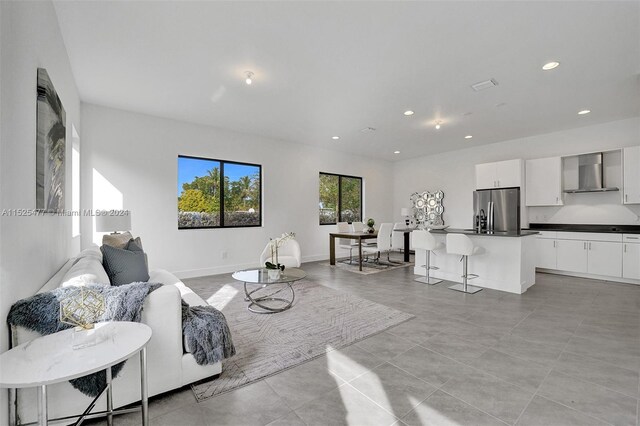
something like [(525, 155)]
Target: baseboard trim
[(318, 257), (216, 270), (589, 276), (226, 269)]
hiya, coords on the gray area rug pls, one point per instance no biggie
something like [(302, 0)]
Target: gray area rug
[(368, 268), (321, 319)]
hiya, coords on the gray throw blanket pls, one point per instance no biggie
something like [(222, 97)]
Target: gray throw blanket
[(41, 313), (207, 334)]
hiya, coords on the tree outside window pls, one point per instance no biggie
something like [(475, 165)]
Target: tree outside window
[(200, 193), (340, 199)]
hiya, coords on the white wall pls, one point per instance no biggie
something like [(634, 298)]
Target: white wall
[(31, 248), (132, 158), (454, 173)]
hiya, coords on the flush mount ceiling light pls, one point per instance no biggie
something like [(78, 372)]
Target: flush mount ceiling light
[(550, 65), (249, 77), (437, 125), (468, 137), (408, 112), (584, 111), (335, 138), (396, 152)]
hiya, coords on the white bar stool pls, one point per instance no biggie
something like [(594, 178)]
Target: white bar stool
[(423, 240), (462, 245)]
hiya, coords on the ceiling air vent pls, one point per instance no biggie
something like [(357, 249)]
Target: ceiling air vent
[(484, 85), (368, 129)]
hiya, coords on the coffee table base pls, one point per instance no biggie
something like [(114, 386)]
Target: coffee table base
[(257, 305)]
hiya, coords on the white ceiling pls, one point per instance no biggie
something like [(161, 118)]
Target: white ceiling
[(333, 68)]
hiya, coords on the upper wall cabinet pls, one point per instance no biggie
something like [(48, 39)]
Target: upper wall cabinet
[(631, 172), (502, 174), (544, 182), (485, 175)]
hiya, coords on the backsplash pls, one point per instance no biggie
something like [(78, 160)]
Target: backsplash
[(588, 208)]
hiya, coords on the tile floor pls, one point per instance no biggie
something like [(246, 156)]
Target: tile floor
[(567, 352)]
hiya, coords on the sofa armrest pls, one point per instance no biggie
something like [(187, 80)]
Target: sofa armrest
[(162, 312)]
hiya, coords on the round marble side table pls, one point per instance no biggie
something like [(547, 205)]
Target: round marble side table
[(52, 359)]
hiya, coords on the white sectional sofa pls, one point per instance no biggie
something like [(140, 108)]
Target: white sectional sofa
[(169, 364)]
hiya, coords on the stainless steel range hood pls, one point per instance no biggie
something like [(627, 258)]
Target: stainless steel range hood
[(590, 175)]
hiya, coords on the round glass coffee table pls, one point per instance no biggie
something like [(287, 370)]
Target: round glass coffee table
[(273, 293)]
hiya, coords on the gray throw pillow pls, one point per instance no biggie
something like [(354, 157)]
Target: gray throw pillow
[(135, 244), (124, 266)]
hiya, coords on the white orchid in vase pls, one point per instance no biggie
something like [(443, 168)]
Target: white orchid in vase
[(274, 244)]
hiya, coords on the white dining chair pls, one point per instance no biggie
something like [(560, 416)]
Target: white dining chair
[(369, 249), (384, 241), (346, 243), (357, 226), (397, 238)]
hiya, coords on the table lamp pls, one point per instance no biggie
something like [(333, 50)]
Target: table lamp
[(114, 221), (405, 212)]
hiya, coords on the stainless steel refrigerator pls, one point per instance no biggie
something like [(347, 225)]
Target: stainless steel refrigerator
[(497, 209)]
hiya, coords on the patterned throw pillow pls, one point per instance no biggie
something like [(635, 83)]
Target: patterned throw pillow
[(125, 266)]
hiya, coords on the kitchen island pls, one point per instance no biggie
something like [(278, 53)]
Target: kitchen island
[(505, 261)]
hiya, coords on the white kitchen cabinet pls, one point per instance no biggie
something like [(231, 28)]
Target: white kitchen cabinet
[(631, 261), (485, 176), (501, 174), (631, 175), (572, 255), (631, 256), (605, 258), (546, 253), (544, 182), (509, 173), (598, 254)]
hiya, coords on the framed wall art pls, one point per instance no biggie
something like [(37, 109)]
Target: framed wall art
[(50, 146), (428, 209)]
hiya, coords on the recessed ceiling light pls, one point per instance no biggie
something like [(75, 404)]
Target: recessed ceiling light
[(584, 111), (408, 112), (249, 77), (396, 152), (335, 138), (550, 65), (468, 137)]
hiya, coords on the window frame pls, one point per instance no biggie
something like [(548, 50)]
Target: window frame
[(340, 176), (222, 190)]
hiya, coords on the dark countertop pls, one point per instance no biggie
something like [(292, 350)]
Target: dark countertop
[(608, 229), (522, 233)]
